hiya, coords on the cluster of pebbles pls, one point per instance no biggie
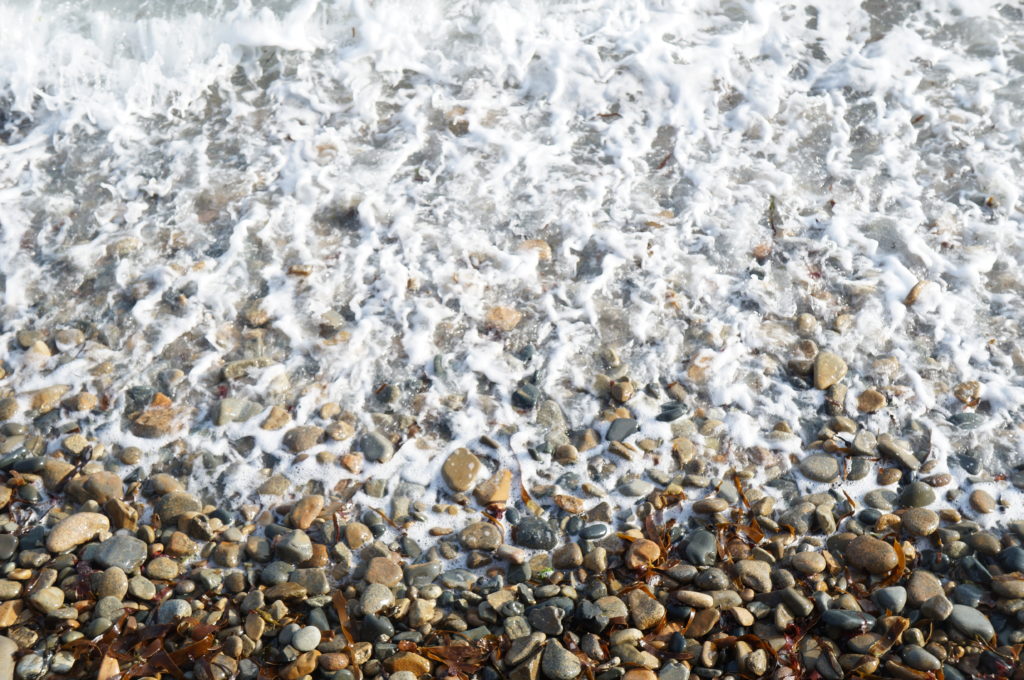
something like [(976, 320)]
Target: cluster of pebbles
[(113, 577)]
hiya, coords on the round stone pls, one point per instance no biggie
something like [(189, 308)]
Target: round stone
[(376, 598), (175, 504), (480, 536), (809, 562), (920, 521), (460, 469), (173, 610), (871, 554), (125, 552), (376, 447), (917, 495), (820, 467), (982, 501), (306, 639)]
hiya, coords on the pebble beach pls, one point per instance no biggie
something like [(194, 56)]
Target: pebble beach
[(511, 341)]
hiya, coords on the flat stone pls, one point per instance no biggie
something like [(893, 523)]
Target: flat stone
[(383, 571), (702, 623), (173, 610), (895, 450), (173, 505), (568, 556), (303, 438), (376, 447), (1008, 585), (110, 582), (154, 423), (8, 648), (917, 495), (76, 529), (922, 586), (971, 622), (460, 469), (635, 488), (480, 536), (46, 600), (547, 620), (846, 620), (870, 401), (871, 554), (809, 562), (294, 547), (829, 369), (820, 467), (918, 657), (535, 533), (125, 552), (937, 608), (920, 521), (103, 486), (982, 501), (621, 429)]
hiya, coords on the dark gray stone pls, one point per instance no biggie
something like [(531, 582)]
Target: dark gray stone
[(535, 533), (126, 552)]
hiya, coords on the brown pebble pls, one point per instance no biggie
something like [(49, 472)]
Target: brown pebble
[(982, 501), (870, 401), (642, 553)]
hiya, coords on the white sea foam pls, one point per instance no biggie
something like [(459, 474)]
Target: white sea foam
[(404, 152)]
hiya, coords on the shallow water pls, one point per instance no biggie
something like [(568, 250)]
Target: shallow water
[(368, 175)]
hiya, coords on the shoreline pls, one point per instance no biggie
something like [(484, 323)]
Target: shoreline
[(707, 571)]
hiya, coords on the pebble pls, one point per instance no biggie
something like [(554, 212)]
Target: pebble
[(982, 501), (971, 622), (755, 574), (820, 467), (76, 529), (829, 369), (125, 552), (644, 611), (303, 438), (701, 548), (621, 429), (920, 521), (871, 554), (376, 447), (917, 495), (893, 598), (480, 536), (808, 562), (460, 469), (922, 586), (535, 533), (376, 598), (173, 610), (306, 639), (558, 663), (173, 505)]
